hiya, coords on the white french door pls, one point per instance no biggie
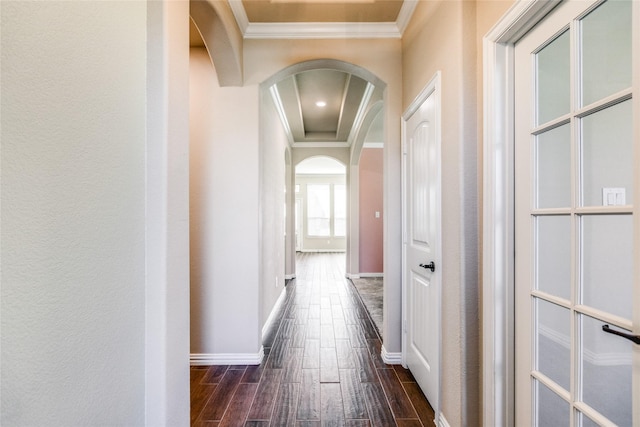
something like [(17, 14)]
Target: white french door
[(576, 219), (421, 261)]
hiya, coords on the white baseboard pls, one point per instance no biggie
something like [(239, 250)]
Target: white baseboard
[(274, 311), (391, 358), (363, 275), (371, 275), (442, 421), (289, 276), (206, 359), (312, 251)]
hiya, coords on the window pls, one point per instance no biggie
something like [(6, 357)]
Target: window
[(326, 210), (319, 210), (339, 210)]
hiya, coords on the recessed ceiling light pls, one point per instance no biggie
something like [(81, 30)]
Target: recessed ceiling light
[(321, 104)]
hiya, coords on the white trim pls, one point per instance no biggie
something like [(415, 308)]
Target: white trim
[(406, 12), (365, 275), (277, 101), (320, 144), (207, 359), (432, 86), (390, 358), (274, 312), (322, 30), (322, 250), (362, 110), (289, 276), (373, 145), (498, 387), (442, 421), (240, 14)]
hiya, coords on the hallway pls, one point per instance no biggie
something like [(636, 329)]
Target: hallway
[(322, 365)]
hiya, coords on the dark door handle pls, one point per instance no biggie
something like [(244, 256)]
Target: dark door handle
[(634, 338), (431, 266)]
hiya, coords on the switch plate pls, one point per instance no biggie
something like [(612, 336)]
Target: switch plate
[(377, 214), (613, 196)]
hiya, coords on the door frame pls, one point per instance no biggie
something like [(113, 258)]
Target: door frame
[(498, 265), (432, 87)]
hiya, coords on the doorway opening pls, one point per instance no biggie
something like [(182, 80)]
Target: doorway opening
[(333, 111), (320, 188)]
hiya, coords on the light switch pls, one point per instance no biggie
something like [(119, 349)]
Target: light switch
[(377, 214), (613, 196)]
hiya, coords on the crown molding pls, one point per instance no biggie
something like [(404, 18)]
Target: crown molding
[(320, 144), (240, 14), (406, 12), (323, 30)]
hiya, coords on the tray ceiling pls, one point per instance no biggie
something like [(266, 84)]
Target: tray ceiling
[(322, 18)]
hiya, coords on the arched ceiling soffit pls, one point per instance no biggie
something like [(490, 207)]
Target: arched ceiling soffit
[(371, 132), (324, 102), (220, 34)]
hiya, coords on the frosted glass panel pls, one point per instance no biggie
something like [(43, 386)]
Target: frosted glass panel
[(587, 422), (607, 154), (607, 263), (552, 75), (553, 167), (551, 409), (553, 253), (553, 350), (606, 372), (606, 51)]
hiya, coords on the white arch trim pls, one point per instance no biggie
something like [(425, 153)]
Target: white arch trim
[(326, 64), (315, 155)]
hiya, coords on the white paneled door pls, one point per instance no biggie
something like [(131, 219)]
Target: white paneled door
[(422, 268), (577, 240)]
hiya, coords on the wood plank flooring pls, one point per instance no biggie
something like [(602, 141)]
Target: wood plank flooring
[(322, 365)]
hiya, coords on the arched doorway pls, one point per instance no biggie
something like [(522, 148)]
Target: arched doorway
[(358, 96)]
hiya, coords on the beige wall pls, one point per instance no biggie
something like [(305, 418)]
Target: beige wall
[(446, 36), (273, 145), (93, 315), (225, 206)]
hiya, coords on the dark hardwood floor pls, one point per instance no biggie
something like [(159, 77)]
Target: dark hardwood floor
[(322, 365)]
